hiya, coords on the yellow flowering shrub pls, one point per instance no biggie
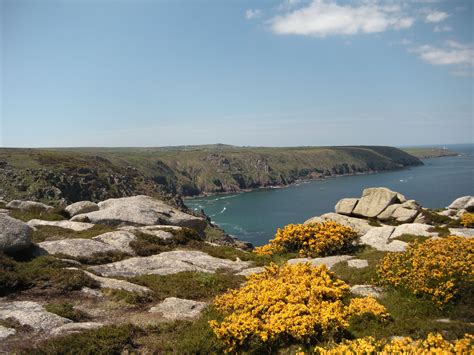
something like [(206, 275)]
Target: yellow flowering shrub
[(292, 302), (316, 239), (436, 268), (467, 219), (433, 344)]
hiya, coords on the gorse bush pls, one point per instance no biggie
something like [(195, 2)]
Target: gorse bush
[(317, 239), (433, 344), (288, 304), (436, 268), (467, 219)]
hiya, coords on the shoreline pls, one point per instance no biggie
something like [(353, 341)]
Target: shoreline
[(295, 183)]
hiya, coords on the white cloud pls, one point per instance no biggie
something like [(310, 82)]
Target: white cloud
[(453, 53), (442, 28), (322, 18), (436, 16), (253, 13)]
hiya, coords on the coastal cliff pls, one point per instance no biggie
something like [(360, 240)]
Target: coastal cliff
[(70, 175)]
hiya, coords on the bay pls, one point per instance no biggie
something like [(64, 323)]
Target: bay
[(255, 216)]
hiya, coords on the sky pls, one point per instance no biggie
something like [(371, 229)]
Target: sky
[(260, 73)]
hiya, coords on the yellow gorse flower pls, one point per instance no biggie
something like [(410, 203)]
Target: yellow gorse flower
[(297, 302), (317, 239), (434, 344), (435, 268), (467, 219)]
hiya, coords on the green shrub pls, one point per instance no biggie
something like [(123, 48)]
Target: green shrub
[(109, 339), (132, 298), (66, 309)]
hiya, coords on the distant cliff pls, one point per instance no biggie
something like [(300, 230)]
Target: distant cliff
[(99, 173)]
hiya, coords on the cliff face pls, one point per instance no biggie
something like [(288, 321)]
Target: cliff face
[(97, 174)]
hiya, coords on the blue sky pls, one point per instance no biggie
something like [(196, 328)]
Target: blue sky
[(273, 73)]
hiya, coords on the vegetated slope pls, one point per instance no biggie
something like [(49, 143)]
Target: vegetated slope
[(430, 152), (100, 173)]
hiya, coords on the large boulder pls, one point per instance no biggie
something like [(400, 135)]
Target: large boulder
[(141, 211), (81, 207), (28, 206), (76, 248), (14, 234), (31, 314), (168, 263), (463, 203), (120, 240), (6, 332), (401, 212), (419, 229), (380, 238), (361, 226), (374, 200), (173, 308), (346, 206)]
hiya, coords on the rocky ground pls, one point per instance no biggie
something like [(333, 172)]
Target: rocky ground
[(136, 273)]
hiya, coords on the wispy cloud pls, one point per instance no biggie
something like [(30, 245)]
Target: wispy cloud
[(253, 13), (442, 29), (436, 16), (323, 18), (452, 53)]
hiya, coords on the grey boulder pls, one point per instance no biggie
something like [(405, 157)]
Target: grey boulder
[(28, 205), (81, 207), (31, 314), (375, 200), (380, 238), (141, 211), (361, 226), (119, 240), (463, 203), (75, 226), (346, 206), (78, 247), (14, 234), (168, 263), (173, 308)]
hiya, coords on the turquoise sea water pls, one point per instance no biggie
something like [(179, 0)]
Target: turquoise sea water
[(254, 216)]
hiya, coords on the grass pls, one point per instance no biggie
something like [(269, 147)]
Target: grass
[(109, 339), (25, 216), (44, 272), (183, 337), (66, 309), (97, 258), (362, 276), (189, 285), (442, 231), (416, 317), (410, 238), (43, 233), (131, 298)]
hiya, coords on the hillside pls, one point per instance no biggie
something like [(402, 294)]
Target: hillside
[(430, 152), (99, 173)]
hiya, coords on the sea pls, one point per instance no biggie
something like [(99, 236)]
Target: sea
[(256, 215)]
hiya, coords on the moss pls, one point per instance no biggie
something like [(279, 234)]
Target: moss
[(189, 285), (43, 233), (66, 309), (44, 272), (132, 298), (110, 339), (52, 215), (374, 222), (442, 231), (146, 244), (409, 238)]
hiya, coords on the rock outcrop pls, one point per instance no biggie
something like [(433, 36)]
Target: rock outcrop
[(31, 314), (361, 226), (14, 234), (77, 247), (28, 205), (375, 200), (140, 211), (75, 226), (120, 240), (173, 308), (168, 263), (81, 207)]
